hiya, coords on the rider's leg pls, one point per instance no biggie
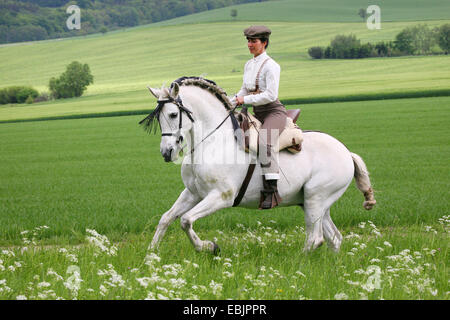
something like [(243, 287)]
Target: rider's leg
[(273, 125)]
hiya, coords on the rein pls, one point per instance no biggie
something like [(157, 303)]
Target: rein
[(179, 103)]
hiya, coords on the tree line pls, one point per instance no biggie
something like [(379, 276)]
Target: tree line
[(414, 40), (28, 20)]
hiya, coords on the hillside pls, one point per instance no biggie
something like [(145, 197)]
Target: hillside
[(29, 20), (124, 62), (322, 11)]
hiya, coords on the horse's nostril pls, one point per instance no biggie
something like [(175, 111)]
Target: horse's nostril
[(168, 155)]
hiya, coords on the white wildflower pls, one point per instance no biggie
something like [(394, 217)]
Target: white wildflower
[(21, 297), (161, 297), (51, 272), (340, 296), (215, 287), (101, 242), (228, 274), (43, 284), (151, 258)]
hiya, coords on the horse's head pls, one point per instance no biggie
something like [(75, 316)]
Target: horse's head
[(175, 121)]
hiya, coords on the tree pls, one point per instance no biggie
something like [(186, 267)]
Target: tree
[(316, 52), (403, 41), (341, 45), (443, 37), (415, 40), (73, 82), (362, 13), (234, 13)]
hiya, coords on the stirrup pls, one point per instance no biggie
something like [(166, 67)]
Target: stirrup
[(270, 197), (269, 200)]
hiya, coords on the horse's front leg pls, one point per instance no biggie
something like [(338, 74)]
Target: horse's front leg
[(184, 203), (216, 200)]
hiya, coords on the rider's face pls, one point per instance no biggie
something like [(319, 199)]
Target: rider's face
[(256, 47)]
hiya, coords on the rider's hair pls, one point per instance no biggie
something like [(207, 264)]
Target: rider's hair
[(262, 40)]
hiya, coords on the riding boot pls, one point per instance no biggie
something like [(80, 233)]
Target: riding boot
[(269, 195)]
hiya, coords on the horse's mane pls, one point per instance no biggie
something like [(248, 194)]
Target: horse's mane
[(209, 85), (206, 84)]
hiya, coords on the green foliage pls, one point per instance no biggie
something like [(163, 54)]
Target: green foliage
[(443, 37), (316, 52), (73, 82), (46, 19), (415, 40), (17, 94), (362, 13)]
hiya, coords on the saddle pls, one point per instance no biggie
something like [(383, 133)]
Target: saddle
[(290, 138)]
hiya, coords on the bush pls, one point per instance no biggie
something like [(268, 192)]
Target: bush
[(341, 45), (24, 93), (73, 82), (316, 52), (29, 100), (17, 94)]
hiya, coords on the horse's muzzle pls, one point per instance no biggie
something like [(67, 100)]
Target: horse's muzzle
[(167, 154)]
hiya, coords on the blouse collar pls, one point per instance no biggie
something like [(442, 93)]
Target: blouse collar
[(262, 56)]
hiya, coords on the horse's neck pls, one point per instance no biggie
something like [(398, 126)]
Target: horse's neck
[(208, 111)]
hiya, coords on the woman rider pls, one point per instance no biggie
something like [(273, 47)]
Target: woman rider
[(260, 89)]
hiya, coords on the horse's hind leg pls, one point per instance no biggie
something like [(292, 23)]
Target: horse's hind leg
[(184, 203), (331, 233), (314, 212)]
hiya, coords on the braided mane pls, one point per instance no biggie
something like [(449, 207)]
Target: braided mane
[(149, 122), (209, 85)]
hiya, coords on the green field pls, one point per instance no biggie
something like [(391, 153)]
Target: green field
[(60, 179), (124, 63), (322, 11), (107, 174)]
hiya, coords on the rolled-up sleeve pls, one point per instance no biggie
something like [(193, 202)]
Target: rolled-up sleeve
[(271, 73)]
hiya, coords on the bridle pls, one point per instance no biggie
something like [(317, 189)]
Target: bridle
[(178, 102), (182, 109)]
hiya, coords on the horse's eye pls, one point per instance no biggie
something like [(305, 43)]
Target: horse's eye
[(173, 115)]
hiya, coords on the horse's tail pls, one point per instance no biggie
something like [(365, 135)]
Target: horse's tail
[(363, 181)]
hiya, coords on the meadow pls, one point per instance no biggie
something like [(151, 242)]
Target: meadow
[(85, 196), (80, 198)]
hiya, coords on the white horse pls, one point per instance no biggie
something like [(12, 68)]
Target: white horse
[(213, 171)]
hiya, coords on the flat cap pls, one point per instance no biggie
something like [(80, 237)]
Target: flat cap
[(257, 32)]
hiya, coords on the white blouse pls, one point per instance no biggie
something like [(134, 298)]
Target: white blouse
[(269, 81)]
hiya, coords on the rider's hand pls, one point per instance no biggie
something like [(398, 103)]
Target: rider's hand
[(239, 101)]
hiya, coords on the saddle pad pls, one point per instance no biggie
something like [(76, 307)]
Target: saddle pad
[(290, 139)]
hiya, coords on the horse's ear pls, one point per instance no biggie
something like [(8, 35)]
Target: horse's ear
[(174, 90), (155, 92)]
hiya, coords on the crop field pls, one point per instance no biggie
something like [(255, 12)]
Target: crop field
[(81, 195), (86, 195)]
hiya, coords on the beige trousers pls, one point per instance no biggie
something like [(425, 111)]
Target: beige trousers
[(273, 119)]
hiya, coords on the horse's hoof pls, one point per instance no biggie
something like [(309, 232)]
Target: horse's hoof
[(216, 249)]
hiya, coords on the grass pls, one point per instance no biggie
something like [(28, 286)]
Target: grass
[(107, 174), (63, 179)]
